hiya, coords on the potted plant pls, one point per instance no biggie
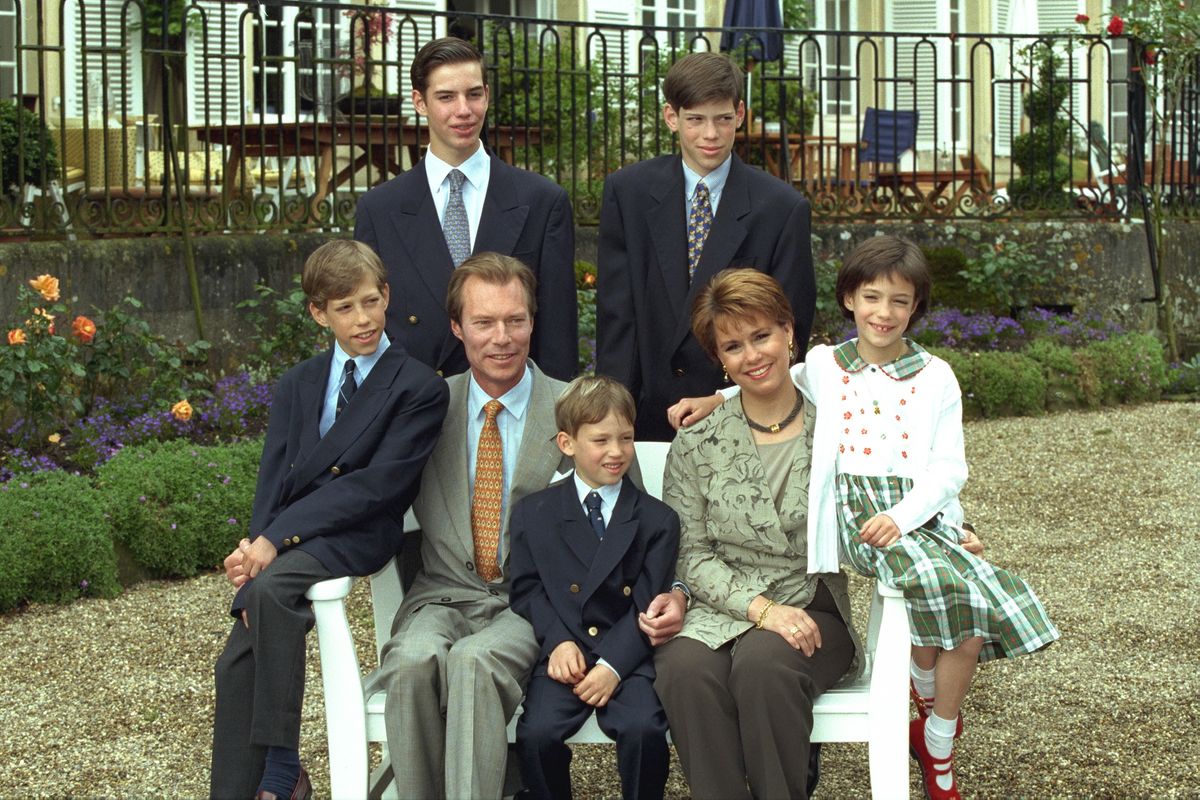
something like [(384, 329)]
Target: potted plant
[(370, 35), (28, 152)]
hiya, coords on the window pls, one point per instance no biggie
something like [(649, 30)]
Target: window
[(1118, 91), (837, 55), (103, 43), (671, 14), (8, 50)]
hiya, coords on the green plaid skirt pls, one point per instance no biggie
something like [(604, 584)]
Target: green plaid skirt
[(951, 594)]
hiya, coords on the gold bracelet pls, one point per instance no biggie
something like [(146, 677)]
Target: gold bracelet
[(762, 615)]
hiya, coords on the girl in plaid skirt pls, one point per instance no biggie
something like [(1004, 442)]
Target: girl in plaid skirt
[(888, 464)]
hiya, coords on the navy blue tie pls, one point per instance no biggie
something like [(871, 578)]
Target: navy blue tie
[(592, 501), (347, 389)]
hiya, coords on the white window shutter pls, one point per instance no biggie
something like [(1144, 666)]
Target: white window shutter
[(921, 60), (1059, 16), (103, 37), (409, 33), (218, 86), (608, 43), (1006, 97)]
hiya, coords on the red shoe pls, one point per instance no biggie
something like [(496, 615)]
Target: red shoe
[(931, 767), (925, 707)]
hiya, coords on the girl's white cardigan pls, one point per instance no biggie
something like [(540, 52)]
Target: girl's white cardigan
[(937, 464)]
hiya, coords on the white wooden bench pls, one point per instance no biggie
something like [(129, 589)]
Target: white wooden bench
[(872, 709)]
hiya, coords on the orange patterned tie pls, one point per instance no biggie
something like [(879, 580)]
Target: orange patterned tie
[(489, 494)]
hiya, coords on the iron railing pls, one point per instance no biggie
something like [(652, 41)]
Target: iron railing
[(217, 115)]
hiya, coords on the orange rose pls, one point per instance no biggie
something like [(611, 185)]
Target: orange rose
[(16, 336), (46, 286), (84, 329), (182, 411)]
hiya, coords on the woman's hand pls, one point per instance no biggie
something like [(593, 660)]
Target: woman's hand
[(795, 626), (691, 410), (880, 531)]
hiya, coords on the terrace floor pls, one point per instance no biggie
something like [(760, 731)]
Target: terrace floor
[(1095, 509)]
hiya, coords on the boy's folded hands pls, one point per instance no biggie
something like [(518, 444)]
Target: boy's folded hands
[(567, 664)]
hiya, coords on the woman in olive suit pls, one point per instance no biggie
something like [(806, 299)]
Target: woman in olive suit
[(764, 638)]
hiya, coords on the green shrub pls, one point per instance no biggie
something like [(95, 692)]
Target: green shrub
[(1129, 368), (997, 384), (950, 288), (55, 544), (28, 153), (179, 507), (1071, 381), (828, 322), (1183, 378)]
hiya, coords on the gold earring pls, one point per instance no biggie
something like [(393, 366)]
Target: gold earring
[(791, 352), (724, 374)]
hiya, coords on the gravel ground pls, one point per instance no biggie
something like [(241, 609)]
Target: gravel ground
[(1097, 510)]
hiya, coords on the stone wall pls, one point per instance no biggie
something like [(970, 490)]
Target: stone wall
[(1105, 269)]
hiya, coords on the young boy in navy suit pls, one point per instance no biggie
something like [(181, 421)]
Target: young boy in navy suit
[(587, 554), (349, 433)]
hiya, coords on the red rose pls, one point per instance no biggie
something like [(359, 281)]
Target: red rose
[(1150, 56), (1116, 26), (1082, 19)]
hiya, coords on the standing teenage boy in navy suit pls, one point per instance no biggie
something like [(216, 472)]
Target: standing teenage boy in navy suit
[(669, 224), (460, 200), (588, 554), (349, 433)]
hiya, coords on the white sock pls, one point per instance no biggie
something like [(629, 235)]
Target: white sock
[(939, 741), (922, 679)]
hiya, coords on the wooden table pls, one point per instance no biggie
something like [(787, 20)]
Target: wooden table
[(926, 189), (379, 142), (813, 160)]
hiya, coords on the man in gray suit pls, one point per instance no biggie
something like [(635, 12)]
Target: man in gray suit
[(459, 658)]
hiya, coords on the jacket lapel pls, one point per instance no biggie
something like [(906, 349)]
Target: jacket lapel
[(370, 399), (420, 233), (726, 236), (448, 467), (503, 216), (574, 528), (539, 456), (668, 229), (618, 535)]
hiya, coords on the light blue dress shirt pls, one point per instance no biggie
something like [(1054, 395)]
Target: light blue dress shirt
[(715, 181), (362, 368), (478, 171), (510, 421)]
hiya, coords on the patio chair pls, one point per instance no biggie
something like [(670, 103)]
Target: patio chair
[(887, 135), (872, 709)]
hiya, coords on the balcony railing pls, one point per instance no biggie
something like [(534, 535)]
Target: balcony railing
[(237, 116)]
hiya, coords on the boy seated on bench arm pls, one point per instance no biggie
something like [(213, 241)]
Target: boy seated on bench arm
[(349, 433)]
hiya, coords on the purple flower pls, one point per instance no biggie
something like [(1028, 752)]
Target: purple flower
[(83, 585), (231, 521)]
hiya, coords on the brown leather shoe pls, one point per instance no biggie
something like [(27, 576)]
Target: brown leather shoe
[(303, 790)]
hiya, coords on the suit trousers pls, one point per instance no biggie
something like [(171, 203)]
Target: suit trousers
[(454, 676), (743, 712), (633, 716), (260, 674)]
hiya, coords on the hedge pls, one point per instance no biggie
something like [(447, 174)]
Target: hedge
[(55, 544), (177, 507)]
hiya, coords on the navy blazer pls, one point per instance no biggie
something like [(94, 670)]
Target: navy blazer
[(568, 583), (524, 215), (644, 298), (341, 497)]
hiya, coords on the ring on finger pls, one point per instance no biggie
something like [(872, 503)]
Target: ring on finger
[(794, 630)]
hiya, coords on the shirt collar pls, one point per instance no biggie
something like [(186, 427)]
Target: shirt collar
[(715, 180), (909, 364), (362, 364), (474, 168), (608, 493), (515, 400)]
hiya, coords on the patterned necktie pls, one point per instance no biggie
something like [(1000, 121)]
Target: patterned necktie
[(347, 389), (454, 224), (699, 223), (594, 516), (488, 495)]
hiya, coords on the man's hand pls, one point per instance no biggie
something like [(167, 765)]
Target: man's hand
[(235, 564), (663, 618), (970, 541), (880, 531), (597, 686), (567, 664), (257, 555), (691, 410)]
